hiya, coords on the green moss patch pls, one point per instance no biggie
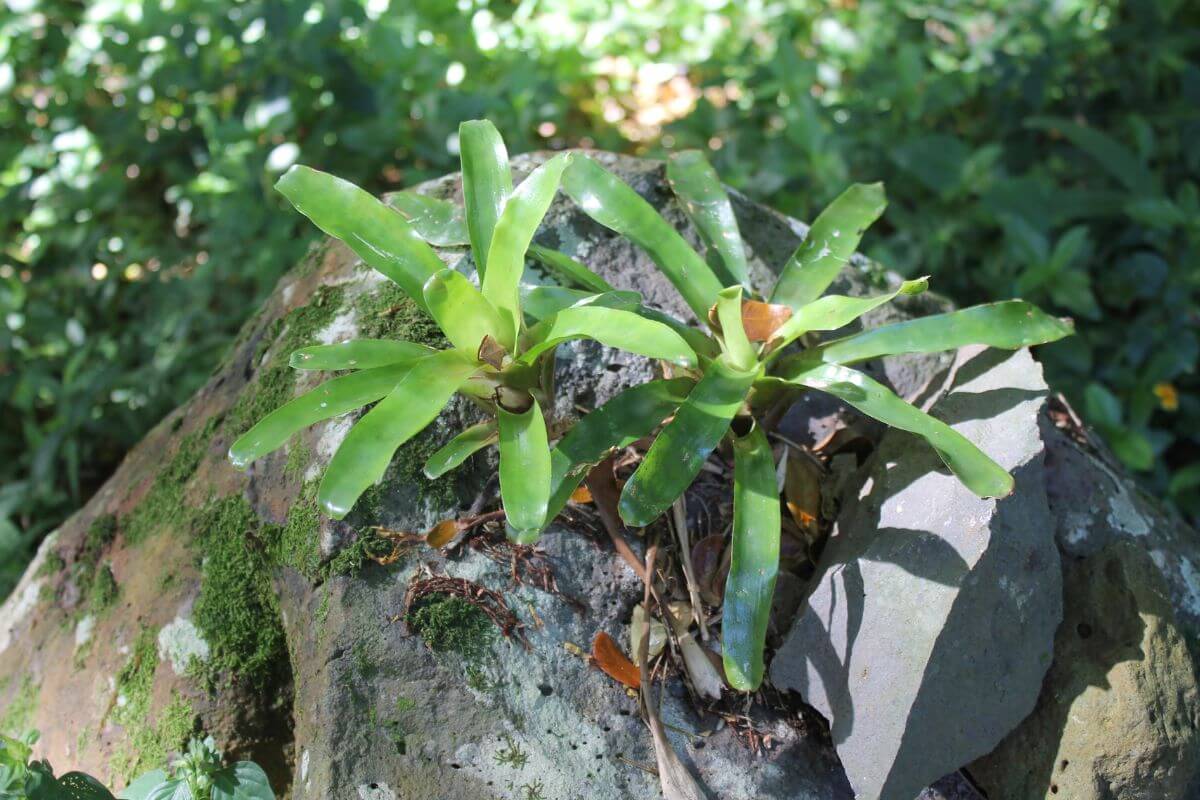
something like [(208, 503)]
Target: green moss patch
[(20, 710), (164, 503), (451, 624), (148, 742), (388, 313), (104, 590)]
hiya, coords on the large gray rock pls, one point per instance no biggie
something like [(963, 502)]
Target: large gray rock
[(927, 635)]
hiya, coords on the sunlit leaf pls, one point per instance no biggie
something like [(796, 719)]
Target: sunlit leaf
[(624, 330), (379, 235), (729, 313), (698, 188), (524, 470), (834, 311), (762, 320), (330, 399), (514, 231), (368, 449), (439, 222), (244, 780), (486, 181), (611, 202), (974, 468), (750, 586), (540, 302), (830, 242), (1009, 324), (679, 452), (468, 442), (463, 313), (358, 354)]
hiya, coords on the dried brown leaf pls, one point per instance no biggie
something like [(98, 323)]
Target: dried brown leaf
[(608, 657)]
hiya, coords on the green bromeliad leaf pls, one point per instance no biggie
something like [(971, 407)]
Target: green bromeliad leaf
[(541, 302), (620, 422), (830, 242), (624, 330), (463, 313), (466, 444), (439, 222), (611, 202), (358, 354), (1009, 324), (514, 231), (368, 449), (754, 561), (833, 311), (330, 399), (487, 183), (679, 452), (729, 313), (696, 184), (524, 470), (568, 268), (379, 235), (974, 468)]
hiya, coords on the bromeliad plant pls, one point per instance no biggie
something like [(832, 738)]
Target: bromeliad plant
[(748, 368), (496, 359)]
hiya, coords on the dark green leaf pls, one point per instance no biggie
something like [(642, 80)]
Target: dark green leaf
[(974, 468), (1109, 154), (358, 354), (679, 452), (140, 789), (460, 448), (330, 399), (368, 449), (612, 203), (379, 235), (830, 242), (754, 561), (487, 183), (245, 780), (697, 186), (566, 267), (524, 470)]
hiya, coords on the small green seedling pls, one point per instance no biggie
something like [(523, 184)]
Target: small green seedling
[(497, 359)]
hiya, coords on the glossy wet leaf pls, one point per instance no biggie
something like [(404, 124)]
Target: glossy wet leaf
[(729, 313), (463, 313), (611, 202), (332, 398), (608, 657), (1009, 324), (439, 222), (830, 242), (574, 272), (524, 470), (468, 442), (514, 231), (974, 468), (368, 449), (623, 330), (834, 311), (704, 200), (679, 452), (487, 183), (379, 235), (358, 354), (754, 561), (620, 422)]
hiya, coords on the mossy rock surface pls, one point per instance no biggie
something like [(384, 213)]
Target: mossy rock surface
[(227, 603)]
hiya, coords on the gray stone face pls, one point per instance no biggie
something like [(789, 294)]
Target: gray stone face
[(927, 636)]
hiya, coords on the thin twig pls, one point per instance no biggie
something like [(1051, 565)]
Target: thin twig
[(602, 484), (679, 517)]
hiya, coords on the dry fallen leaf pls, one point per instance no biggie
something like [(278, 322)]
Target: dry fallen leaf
[(637, 630), (802, 491), (761, 320), (706, 680), (490, 352), (443, 533), (581, 495), (615, 664)]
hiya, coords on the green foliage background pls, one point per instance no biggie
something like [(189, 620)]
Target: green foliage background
[(1030, 148)]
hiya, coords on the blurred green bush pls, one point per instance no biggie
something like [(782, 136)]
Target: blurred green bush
[(1030, 148)]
